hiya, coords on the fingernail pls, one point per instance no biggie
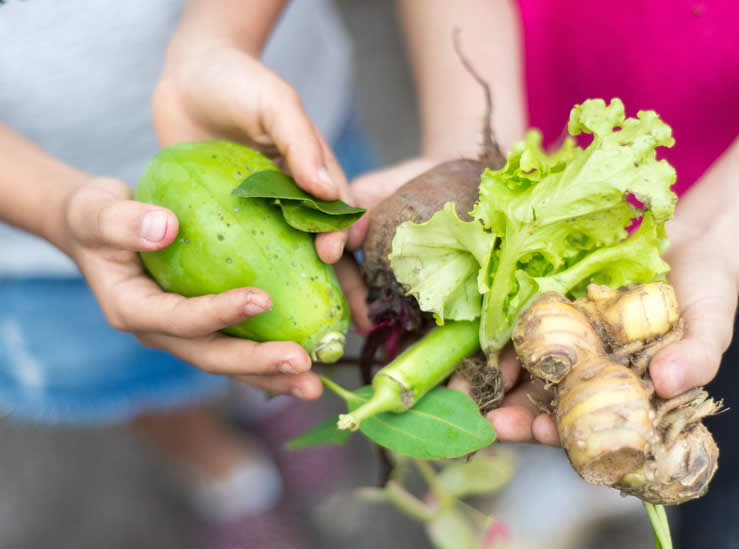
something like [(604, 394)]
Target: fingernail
[(257, 304), (334, 252), (286, 368), (298, 392), (252, 309), (154, 226), (325, 178), (674, 379)]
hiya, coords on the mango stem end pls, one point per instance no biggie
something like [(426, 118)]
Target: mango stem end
[(330, 349)]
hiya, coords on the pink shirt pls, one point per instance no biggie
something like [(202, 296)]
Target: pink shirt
[(677, 57)]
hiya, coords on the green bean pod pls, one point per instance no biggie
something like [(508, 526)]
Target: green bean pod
[(420, 368)]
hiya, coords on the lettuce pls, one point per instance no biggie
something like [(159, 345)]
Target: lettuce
[(547, 222)]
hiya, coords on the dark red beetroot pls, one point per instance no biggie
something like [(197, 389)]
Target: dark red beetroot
[(454, 181)]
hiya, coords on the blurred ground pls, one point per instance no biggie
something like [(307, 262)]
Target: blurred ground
[(101, 489)]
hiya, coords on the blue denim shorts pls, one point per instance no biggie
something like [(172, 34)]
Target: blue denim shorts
[(61, 362)]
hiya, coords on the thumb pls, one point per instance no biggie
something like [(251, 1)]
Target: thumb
[(707, 297), (102, 215)]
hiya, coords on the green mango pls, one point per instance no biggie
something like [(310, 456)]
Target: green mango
[(227, 242)]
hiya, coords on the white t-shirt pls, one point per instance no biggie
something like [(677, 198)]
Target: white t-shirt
[(76, 78)]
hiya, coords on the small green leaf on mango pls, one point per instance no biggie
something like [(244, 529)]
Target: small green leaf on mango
[(301, 210)]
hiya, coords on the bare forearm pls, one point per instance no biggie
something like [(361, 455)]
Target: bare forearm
[(711, 207), (451, 103), (206, 30), (717, 190), (34, 186), (246, 24)]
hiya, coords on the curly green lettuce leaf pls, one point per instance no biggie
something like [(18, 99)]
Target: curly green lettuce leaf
[(440, 262), (554, 222), (620, 160), (620, 263), (637, 259)]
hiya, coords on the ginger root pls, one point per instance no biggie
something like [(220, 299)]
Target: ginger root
[(615, 430)]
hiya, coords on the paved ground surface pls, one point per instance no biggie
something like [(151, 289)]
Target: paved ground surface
[(101, 489)]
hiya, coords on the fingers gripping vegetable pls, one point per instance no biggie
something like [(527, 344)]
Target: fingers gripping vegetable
[(228, 242), (615, 430)]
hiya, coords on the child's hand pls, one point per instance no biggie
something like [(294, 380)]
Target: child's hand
[(705, 274), (212, 89), (102, 231)]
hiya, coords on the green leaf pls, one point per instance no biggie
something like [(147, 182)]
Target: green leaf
[(625, 160), (443, 424), (301, 210), (636, 259), (309, 220), (440, 263), (660, 525), (324, 432), (621, 159), (486, 473)]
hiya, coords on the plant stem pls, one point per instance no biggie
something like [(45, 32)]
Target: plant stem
[(492, 302), (660, 525), (330, 349), (408, 503), (429, 475), (480, 519), (400, 469), (338, 389)]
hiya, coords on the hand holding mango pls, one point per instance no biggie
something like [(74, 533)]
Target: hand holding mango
[(226, 242), (221, 91), (103, 228)]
